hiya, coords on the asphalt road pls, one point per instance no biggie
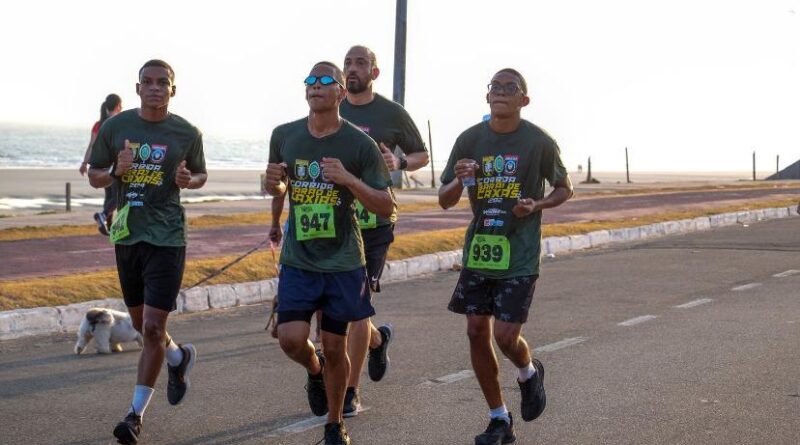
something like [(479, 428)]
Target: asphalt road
[(684, 340), (75, 254)]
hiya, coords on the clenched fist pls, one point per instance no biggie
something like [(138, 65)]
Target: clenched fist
[(124, 160), (183, 176)]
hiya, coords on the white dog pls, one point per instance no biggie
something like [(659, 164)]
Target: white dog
[(109, 328)]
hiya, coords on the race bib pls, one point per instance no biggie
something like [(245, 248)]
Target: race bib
[(314, 221), (119, 228), (366, 219), (489, 252)]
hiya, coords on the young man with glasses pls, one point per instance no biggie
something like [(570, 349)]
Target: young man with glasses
[(507, 160), (390, 126), (324, 163), (151, 154)]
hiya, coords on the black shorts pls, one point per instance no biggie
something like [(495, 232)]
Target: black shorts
[(150, 275), (507, 299), (376, 247)]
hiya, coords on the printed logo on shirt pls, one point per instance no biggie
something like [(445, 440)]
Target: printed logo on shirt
[(300, 169), (303, 191), (491, 222), (144, 152), (159, 154), (510, 165), (499, 180)]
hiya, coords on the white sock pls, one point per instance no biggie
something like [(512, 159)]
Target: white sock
[(141, 397), (500, 413), (527, 372), (174, 354)]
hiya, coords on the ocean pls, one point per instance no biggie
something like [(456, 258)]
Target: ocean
[(31, 146)]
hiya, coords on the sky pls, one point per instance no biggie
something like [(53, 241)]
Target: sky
[(686, 85)]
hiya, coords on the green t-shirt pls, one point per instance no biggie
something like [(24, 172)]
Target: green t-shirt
[(512, 165), (388, 122), (323, 234), (148, 188)]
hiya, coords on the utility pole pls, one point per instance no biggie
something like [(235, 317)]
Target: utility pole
[(754, 165), (399, 93)]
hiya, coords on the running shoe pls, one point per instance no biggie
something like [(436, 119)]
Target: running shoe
[(378, 364), (336, 434), (533, 396), (352, 403), (498, 432), (100, 218), (178, 382), (128, 430), (315, 386)]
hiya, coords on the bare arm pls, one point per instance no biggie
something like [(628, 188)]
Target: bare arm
[(417, 160), (88, 154), (562, 191), (450, 193), (275, 232), (276, 179)]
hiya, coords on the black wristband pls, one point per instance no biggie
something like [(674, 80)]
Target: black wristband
[(403, 163), (111, 173)]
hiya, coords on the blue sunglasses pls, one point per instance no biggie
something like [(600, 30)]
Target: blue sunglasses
[(323, 80)]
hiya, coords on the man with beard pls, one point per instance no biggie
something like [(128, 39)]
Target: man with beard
[(325, 163), (389, 124), (506, 160)]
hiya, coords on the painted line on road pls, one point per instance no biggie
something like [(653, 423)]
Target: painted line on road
[(747, 286), (450, 378), (71, 252), (561, 344), (788, 273), (303, 425), (637, 320), (694, 303)]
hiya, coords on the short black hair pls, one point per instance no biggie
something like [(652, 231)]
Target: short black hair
[(158, 63), (512, 71), (337, 72)]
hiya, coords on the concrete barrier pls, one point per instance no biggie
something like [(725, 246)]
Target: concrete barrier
[(599, 238), (248, 293), (193, 300), (221, 296)]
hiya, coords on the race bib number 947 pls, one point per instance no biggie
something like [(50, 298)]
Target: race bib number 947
[(314, 221), (489, 252)]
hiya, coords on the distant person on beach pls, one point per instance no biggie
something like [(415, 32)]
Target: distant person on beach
[(110, 107), (390, 126), (151, 154), (505, 163), (324, 163)]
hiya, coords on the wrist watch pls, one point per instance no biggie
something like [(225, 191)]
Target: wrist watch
[(403, 163), (111, 172)]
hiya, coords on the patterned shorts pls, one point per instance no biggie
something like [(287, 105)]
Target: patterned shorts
[(507, 299)]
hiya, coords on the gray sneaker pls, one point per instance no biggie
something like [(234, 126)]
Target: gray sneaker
[(178, 382), (378, 364), (352, 403)]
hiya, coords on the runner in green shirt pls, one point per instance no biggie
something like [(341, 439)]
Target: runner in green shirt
[(150, 154), (504, 163), (324, 163), (389, 125)]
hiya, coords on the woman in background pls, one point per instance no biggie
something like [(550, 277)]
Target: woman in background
[(111, 106)]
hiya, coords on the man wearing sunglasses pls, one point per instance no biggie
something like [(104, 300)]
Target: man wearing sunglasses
[(507, 160), (325, 163), (389, 124)]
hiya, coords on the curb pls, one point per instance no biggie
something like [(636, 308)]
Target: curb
[(47, 320)]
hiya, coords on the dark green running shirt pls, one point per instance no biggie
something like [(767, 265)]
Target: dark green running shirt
[(323, 234), (148, 187), (512, 165), (388, 122)]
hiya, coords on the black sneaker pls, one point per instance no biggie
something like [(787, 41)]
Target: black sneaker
[(100, 218), (378, 364), (315, 386), (533, 396), (336, 434), (127, 432), (498, 432), (178, 382), (352, 403)]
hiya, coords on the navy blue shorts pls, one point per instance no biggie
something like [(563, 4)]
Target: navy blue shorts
[(342, 296)]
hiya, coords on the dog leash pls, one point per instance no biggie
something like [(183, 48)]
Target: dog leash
[(227, 266)]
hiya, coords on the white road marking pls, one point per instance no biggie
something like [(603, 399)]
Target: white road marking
[(747, 286), (450, 378), (788, 273), (560, 344), (694, 303), (637, 320), (105, 249), (303, 425)]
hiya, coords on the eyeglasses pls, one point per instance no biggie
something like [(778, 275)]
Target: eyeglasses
[(509, 88), (323, 80)]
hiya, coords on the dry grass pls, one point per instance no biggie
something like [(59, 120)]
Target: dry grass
[(53, 291)]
